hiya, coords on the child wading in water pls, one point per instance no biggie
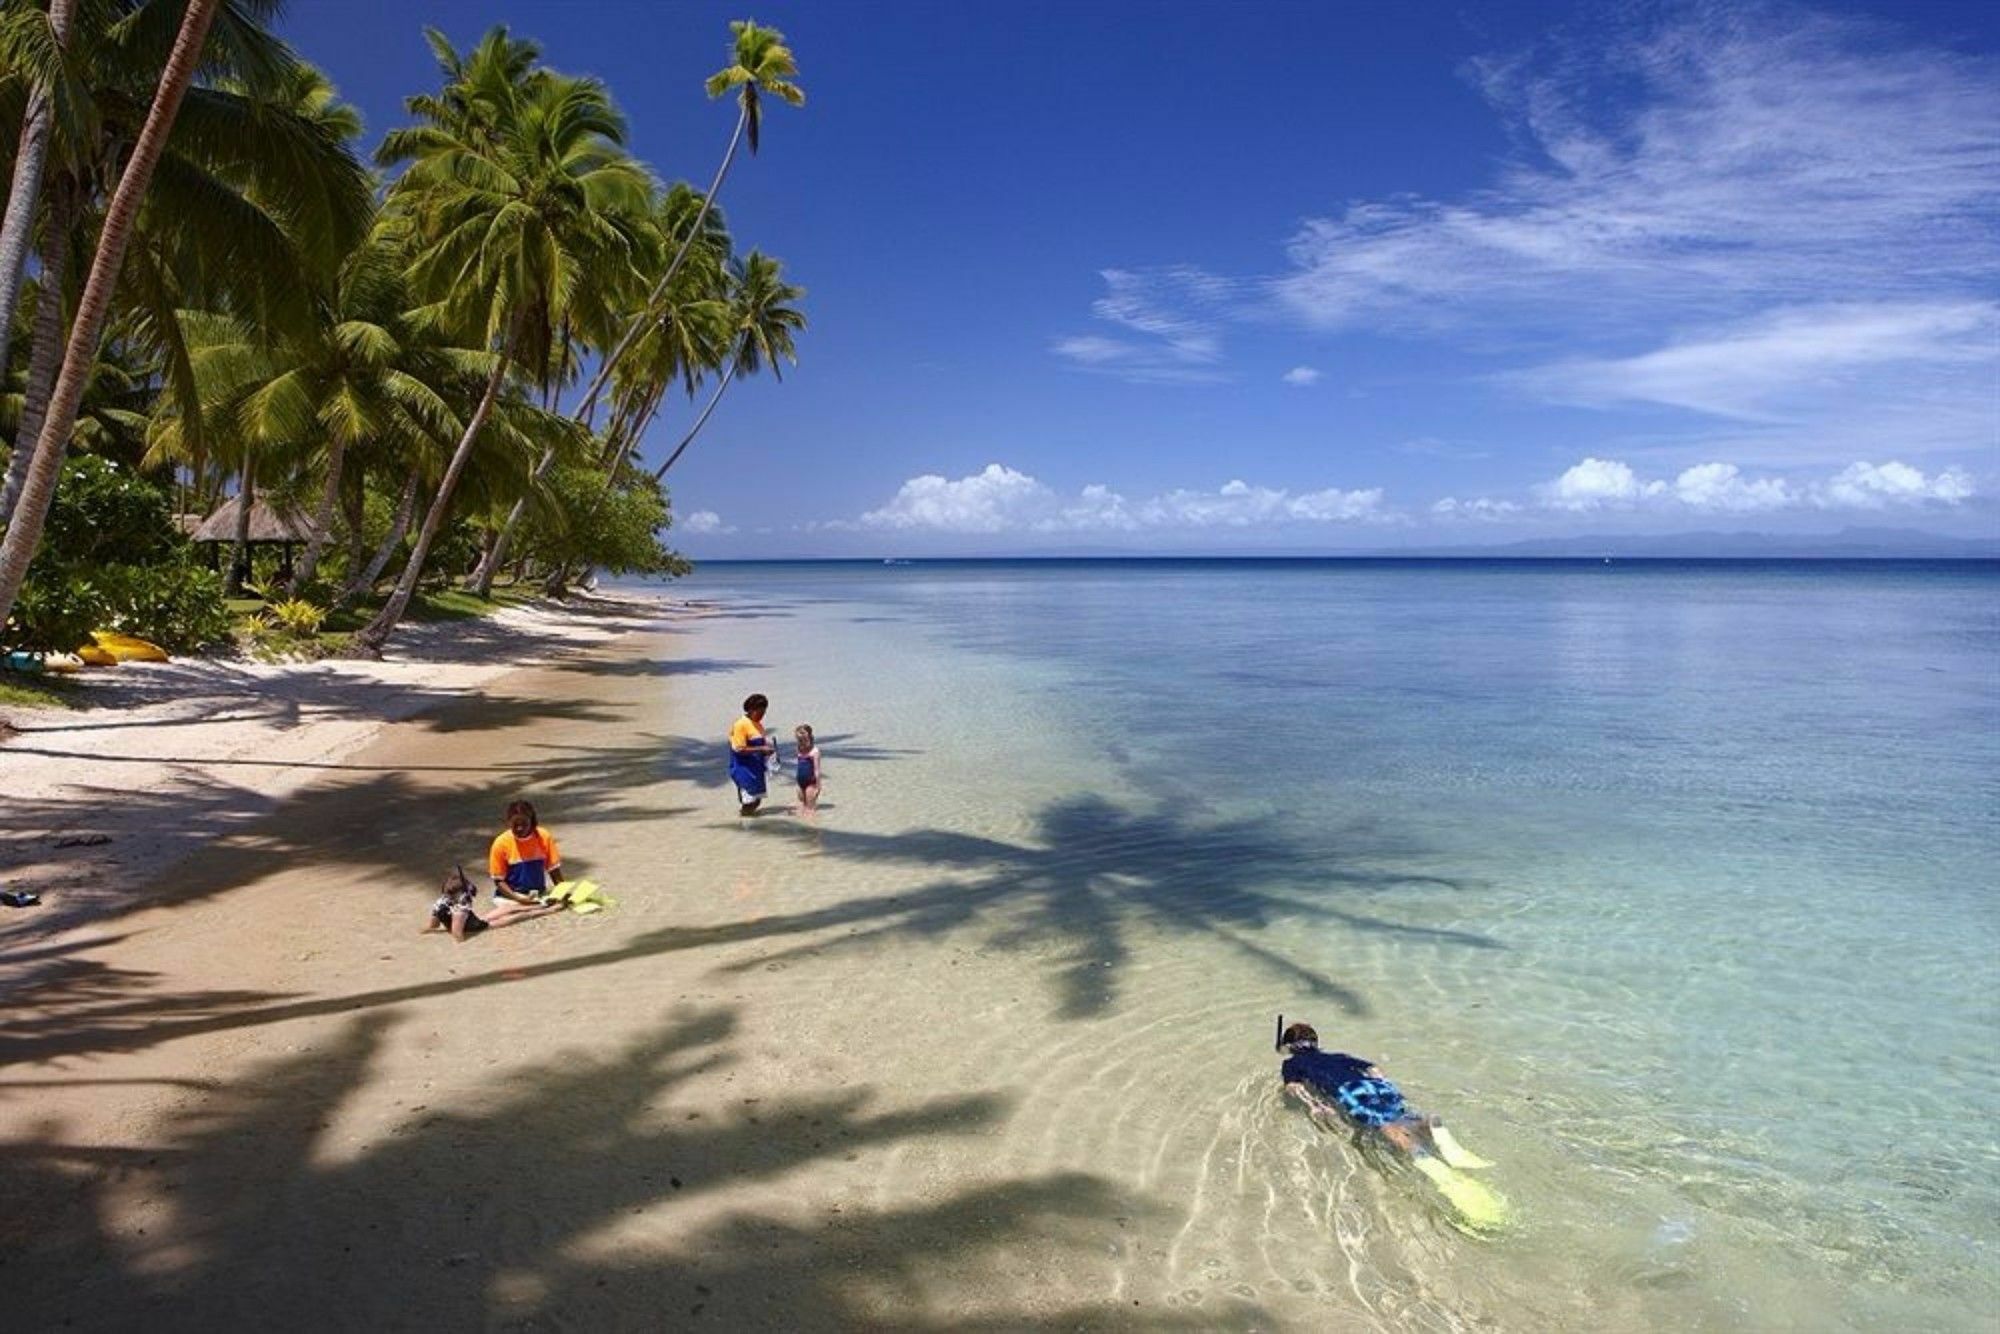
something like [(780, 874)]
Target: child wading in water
[(808, 767), (453, 911)]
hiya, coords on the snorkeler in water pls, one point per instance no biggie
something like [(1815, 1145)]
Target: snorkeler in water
[(1340, 1089)]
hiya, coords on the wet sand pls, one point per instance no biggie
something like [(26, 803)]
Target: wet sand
[(267, 1099)]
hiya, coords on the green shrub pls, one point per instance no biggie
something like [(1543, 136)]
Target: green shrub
[(177, 605), (55, 614)]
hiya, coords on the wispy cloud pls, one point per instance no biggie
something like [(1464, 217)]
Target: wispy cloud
[(999, 499), (1301, 376), (1739, 159), (1169, 322)]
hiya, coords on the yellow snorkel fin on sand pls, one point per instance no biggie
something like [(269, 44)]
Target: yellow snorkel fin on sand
[(1478, 1209), (582, 896)]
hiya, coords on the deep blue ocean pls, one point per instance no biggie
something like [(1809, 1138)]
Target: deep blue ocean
[(1678, 882)]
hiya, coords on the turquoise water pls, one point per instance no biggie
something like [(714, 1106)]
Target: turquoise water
[(1672, 884)]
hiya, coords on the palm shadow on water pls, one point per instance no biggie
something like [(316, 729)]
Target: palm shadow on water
[(1096, 874), (579, 1193)]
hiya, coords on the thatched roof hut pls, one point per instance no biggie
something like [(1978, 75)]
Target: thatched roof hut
[(268, 523)]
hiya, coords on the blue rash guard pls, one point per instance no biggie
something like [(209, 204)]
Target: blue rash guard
[(1365, 1099)]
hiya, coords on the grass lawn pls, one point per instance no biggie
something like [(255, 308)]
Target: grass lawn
[(21, 690)]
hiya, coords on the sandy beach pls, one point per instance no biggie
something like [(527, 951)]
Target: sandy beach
[(241, 1085)]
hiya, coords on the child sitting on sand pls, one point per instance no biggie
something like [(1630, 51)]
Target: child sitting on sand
[(453, 911), (523, 861), (808, 766), (749, 752)]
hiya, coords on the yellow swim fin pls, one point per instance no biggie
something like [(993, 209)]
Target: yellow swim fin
[(585, 909), (1454, 1153), (1478, 1208)]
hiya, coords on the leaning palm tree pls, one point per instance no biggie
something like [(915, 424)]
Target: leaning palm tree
[(24, 532), (39, 42), (508, 220), (760, 64), (765, 322), (676, 341)]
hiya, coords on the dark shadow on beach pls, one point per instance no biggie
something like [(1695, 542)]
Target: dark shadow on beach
[(1071, 901), (507, 1212)]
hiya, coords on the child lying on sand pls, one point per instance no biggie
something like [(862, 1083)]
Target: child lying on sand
[(453, 910)]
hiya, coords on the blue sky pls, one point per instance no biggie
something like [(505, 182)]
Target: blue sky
[(1206, 277)]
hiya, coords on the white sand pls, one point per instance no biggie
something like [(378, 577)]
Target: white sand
[(92, 790)]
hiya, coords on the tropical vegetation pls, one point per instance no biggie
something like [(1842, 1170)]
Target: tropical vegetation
[(437, 362)]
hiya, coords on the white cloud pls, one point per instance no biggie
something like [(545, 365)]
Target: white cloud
[(702, 522), (1867, 487), (1597, 484), (1301, 376), (1480, 507), (1779, 364), (1174, 314), (1739, 159), (999, 499), (1722, 488)]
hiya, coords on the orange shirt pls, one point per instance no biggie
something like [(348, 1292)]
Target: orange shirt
[(524, 863)]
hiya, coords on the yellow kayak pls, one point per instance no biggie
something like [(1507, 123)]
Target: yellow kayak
[(128, 648), (92, 655)]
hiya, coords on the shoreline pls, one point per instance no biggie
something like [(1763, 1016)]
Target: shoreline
[(93, 789)]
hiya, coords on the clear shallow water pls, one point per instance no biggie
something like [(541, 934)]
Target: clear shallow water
[(1671, 885)]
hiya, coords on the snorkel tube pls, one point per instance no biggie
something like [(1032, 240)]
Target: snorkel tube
[(1279, 1043)]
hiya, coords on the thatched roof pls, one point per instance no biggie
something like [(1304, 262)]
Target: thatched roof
[(268, 523)]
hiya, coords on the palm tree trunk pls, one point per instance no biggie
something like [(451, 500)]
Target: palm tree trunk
[(728, 374), (25, 195), (329, 496), (406, 509), (618, 350), (45, 349), (24, 533), (376, 633), (239, 540)]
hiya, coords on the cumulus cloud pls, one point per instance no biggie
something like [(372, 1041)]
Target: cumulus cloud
[(1722, 488), (1301, 376), (702, 522), (998, 499)]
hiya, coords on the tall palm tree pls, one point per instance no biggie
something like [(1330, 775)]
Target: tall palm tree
[(24, 532), (676, 342), (760, 64), (764, 321), (511, 214), (51, 35), (256, 185)]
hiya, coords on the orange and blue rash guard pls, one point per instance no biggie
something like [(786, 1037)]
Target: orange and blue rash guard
[(745, 734), (747, 753), (524, 863)]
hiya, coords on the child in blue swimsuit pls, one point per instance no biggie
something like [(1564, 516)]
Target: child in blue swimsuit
[(807, 751)]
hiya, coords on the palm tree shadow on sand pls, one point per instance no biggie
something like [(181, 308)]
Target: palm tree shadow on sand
[(579, 1193), (1097, 874)]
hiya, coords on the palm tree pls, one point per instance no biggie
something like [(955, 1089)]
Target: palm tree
[(256, 186), (677, 343), (761, 63), (511, 212), (24, 532), (24, 197), (764, 322)]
